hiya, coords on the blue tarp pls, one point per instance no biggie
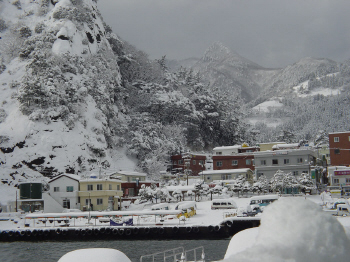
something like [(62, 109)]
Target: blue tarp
[(128, 222)]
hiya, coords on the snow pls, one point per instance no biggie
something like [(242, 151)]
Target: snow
[(268, 105), (95, 254), (292, 229)]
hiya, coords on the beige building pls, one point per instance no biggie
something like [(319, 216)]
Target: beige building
[(269, 146), (102, 194)]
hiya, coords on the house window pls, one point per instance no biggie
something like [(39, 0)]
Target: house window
[(286, 161), (87, 201), (337, 151), (194, 162), (56, 189), (299, 160), (248, 161), (295, 173), (90, 187), (99, 201), (275, 161), (234, 162), (99, 186), (336, 180), (70, 188), (175, 162), (260, 174), (336, 139), (219, 153), (201, 162), (218, 163), (347, 180), (118, 187), (263, 162), (110, 187), (180, 162)]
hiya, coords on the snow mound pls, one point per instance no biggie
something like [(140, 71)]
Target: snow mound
[(294, 229), (95, 254)]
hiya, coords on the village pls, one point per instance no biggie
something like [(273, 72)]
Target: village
[(239, 170)]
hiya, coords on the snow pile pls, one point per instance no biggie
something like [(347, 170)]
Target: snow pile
[(293, 229), (95, 254)]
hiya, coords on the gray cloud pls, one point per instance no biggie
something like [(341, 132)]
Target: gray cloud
[(272, 33)]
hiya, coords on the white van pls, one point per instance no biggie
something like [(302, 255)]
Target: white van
[(343, 210), (223, 204)]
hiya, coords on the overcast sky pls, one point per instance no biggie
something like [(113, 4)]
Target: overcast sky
[(272, 33)]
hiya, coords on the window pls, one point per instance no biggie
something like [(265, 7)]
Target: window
[(218, 163), (201, 162), (56, 189), (70, 188), (299, 160), (118, 187), (336, 139), (225, 177), (87, 201), (337, 151), (286, 161), (180, 162), (131, 192), (194, 162), (99, 186), (90, 187), (263, 162), (248, 161), (234, 162), (275, 161), (109, 187), (347, 180), (99, 201), (219, 153), (66, 203), (175, 162), (349, 138), (260, 174), (295, 173), (336, 180)]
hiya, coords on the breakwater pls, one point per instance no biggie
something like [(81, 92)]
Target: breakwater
[(224, 230)]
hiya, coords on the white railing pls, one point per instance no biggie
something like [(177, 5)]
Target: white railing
[(176, 255)]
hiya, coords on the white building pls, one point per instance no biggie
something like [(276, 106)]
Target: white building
[(129, 176), (339, 178), (227, 174), (295, 161), (64, 189)]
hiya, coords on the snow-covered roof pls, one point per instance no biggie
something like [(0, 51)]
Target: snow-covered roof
[(227, 171), (227, 147), (130, 173), (71, 176), (285, 145)]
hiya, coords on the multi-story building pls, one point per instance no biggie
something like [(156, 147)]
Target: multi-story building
[(295, 161), (100, 194), (64, 189), (234, 157), (339, 148), (192, 162)]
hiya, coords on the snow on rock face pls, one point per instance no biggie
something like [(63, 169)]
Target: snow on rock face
[(95, 254), (294, 229)]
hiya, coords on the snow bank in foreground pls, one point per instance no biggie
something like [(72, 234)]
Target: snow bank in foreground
[(294, 229), (95, 254)]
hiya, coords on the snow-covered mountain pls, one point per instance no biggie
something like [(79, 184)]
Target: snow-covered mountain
[(232, 74), (76, 98)]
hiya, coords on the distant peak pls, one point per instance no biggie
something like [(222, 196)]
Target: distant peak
[(217, 51)]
